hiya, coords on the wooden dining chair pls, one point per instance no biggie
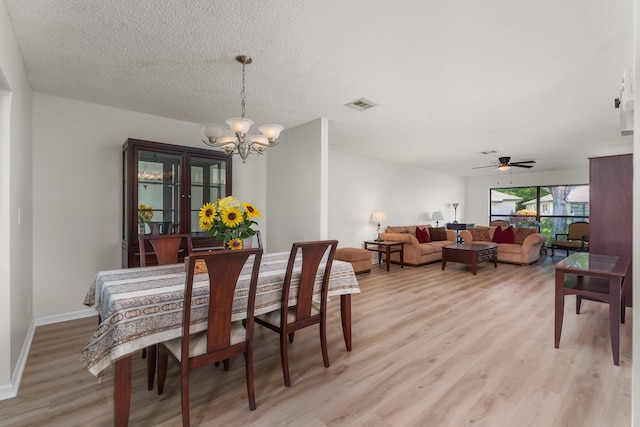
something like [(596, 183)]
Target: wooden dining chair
[(167, 249), (307, 307), (222, 338)]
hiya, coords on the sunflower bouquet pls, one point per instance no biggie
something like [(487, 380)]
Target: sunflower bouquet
[(230, 220)]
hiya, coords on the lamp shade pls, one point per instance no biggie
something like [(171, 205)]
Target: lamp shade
[(378, 217), (212, 130), (437, 216), (271, 131), (239, 124)]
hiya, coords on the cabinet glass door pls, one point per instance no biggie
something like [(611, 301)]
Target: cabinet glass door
[(159, 192), (208, 184)]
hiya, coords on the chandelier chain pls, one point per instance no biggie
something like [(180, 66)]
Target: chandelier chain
[(242, 93)]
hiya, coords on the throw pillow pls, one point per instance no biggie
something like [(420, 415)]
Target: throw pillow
[(522, 233), (480, 234), (422, 235), (503, 236), (438, 234)]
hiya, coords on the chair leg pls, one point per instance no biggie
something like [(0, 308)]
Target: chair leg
[(323, 344), (291, 337), (284, 358), (225, 363), (163, 359), (248, 358), (185, 396), (578, 303), (151, 365)]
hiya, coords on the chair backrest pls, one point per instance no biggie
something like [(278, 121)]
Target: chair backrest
[(166, 247), (578, 230), (313, 254), (223, 269)]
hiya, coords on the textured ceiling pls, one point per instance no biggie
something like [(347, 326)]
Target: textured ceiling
[(527, 79)]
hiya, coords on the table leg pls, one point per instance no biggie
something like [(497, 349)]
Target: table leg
[(379, 256), (402, 256), (345, 312), (614, 317), (388, 256), (122, 392), (474, 264), (559, 306)]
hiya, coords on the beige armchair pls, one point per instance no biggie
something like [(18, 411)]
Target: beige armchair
[(576, 239)]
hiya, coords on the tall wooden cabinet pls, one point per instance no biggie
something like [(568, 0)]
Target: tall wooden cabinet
[(164, 186), (611, 209)]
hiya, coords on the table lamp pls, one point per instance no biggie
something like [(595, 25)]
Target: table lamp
[(437, 216), (378, 217)]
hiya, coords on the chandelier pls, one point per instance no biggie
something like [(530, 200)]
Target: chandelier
[(240, 142)]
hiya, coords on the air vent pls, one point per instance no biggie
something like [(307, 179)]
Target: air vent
[(361, 104), (488, 152)]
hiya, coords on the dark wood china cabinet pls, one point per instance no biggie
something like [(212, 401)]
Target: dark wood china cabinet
[(164, 187)]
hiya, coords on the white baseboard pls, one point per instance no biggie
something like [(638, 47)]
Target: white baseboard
[(57, 318), (9, 391)]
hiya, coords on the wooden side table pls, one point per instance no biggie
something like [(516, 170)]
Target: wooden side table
[(595, 277), (386, 247)]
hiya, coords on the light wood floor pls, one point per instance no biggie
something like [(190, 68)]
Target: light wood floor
[(430, 348)]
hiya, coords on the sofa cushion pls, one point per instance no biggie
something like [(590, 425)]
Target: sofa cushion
[(521, 233), (422, 235), (504, 236), (428, 248), (480, 234), (396, 229), (438, 234)]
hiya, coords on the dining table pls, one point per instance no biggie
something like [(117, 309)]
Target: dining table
[(140, 307)]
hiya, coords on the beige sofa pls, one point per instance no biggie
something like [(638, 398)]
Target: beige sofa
[(416, 253), (525, 250)]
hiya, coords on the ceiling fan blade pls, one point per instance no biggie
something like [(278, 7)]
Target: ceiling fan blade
[(482, 167), (520, 166), (520, 163)]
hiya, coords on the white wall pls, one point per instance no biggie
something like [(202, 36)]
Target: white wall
[(635, 372), (77, 173), (296, 181), (15, 202), (358, 186), (476, 207)]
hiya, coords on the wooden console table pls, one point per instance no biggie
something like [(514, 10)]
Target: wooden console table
[(386, 247)]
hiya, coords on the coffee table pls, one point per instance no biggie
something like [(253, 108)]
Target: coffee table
[(470, 254)]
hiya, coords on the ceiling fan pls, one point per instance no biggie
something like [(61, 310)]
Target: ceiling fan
[(506, 164)]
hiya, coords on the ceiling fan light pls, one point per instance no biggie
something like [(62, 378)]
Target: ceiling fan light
[(271, 131), (239, 124), (504, 167)]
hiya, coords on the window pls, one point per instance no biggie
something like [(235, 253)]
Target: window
[(549, 208)]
